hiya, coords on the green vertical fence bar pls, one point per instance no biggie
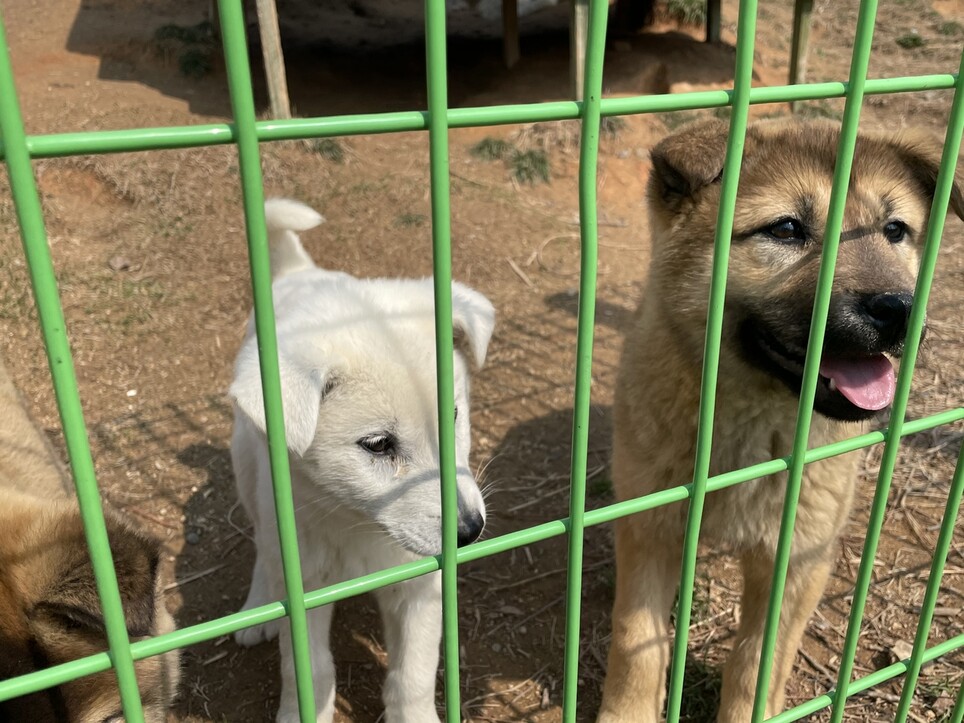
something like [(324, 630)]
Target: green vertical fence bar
[(249, 161), (743, 77), (925, 276), (957, 715), (589, 247), (436, 80), (821, 306), (53, 326), (929, 602)]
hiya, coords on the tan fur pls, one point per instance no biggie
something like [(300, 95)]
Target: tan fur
[(49, 608), (27, 461), (657, 395)]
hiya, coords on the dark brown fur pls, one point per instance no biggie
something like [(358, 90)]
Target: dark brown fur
[(787, 173)]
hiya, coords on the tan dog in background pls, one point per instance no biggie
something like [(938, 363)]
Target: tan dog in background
[(49, 609), (775, 256)]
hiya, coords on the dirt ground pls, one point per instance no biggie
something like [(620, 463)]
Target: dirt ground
[(151, 260)]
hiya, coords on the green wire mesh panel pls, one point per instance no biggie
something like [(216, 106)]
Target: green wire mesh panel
[(247, 133)]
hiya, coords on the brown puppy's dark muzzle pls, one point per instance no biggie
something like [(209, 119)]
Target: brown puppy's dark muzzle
[(888, 314), (868, 323)]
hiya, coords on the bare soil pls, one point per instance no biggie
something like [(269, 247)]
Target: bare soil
[(151, 259)]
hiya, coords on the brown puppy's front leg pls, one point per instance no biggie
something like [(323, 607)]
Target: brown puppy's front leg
[(648, 567), (806, 579)]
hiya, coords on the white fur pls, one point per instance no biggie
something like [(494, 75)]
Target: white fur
[(357, 359)]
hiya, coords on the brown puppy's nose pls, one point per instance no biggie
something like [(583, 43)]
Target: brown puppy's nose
[(889, 314)]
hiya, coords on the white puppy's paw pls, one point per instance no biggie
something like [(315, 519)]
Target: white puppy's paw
[(258, 634), (288, 713)]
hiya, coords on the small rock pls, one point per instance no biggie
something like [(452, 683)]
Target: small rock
[(496, 647), (901, 650), (510, 610), (942, 705), (192, 538), (119, 263)]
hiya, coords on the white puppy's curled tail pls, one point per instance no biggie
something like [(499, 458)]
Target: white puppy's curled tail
[(284, 217)]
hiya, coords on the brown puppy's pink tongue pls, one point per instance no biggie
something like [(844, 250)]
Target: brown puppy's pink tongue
[(868, 383)]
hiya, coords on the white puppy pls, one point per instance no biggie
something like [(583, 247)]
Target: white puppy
[(358, 383)]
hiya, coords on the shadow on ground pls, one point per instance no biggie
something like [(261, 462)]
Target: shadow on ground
[(177, 51)]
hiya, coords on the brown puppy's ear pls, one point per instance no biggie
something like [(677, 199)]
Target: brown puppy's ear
[(72, 600), (921, 152), (686, 161)]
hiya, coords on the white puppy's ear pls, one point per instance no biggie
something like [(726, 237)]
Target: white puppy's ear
[(302, 388), (473, 319)]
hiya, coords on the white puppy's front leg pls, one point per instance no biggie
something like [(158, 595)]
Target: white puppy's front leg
[(412, 613), (322, 666), (265, 587), (255, 493)]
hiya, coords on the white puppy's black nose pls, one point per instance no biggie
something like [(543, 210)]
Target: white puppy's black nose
[(470, 526)]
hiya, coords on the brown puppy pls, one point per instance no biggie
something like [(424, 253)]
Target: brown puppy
[(780, 216), (49, 609)]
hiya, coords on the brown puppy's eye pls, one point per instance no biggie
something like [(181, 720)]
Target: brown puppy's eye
[(379, 445), (786, 229), (895, 231)]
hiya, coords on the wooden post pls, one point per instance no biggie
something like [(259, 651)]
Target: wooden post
[(802, 10), (713, 20), (510, 32), (274, 62), (578, 33)]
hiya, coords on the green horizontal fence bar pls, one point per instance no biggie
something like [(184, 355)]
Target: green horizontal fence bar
[(935, 229), (859, 62), (437, 90), (866, 683), (586, 315), (174, 137), (249, 161), (226, 625), (733, 161), (54, 329)]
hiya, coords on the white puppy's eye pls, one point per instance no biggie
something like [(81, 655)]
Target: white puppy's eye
[(380, 445)]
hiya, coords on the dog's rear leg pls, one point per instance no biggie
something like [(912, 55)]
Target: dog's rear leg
[(648, 567), (412, 614), (806, 579), (322, 666)]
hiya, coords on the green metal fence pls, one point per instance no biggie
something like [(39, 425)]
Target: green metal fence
[(18, 150)]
